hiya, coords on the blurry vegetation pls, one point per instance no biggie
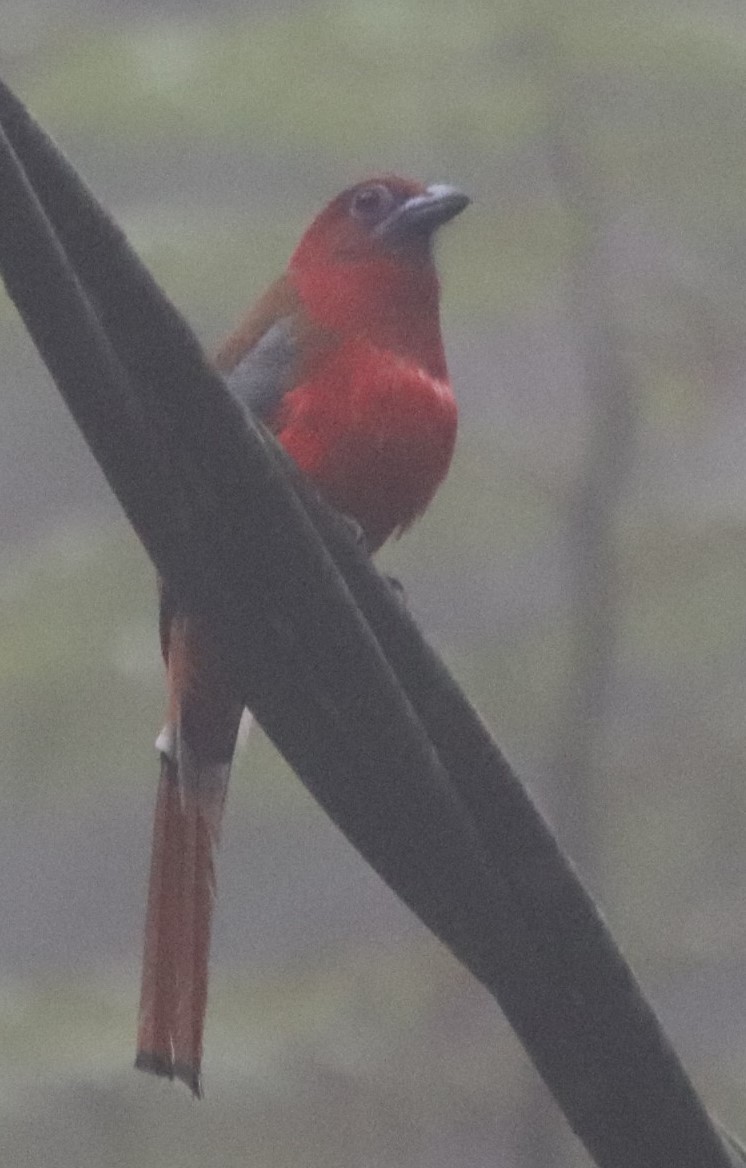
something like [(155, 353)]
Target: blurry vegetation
[(212, 135)]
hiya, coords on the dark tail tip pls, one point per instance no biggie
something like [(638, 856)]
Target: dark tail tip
[(158, 1064)]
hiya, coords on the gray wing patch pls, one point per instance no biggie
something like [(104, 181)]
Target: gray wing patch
[(261, 378)]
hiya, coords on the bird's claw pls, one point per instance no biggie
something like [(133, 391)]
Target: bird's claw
[(355, 531), (398, 589)]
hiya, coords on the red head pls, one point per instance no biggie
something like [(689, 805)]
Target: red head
[(379, 218), (365, 264)]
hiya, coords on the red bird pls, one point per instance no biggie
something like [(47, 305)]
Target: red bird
[(342, 359)]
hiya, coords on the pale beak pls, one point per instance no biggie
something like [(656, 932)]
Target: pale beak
[(422, 214)]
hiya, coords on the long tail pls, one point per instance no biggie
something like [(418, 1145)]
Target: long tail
[(196, 750)]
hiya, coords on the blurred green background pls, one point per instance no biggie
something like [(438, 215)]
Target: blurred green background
[(583, 571)]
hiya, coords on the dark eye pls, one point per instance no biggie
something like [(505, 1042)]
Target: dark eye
[(371, 202)]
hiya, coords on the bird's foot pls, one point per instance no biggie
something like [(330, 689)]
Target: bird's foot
[(355, 531), (398, 589)]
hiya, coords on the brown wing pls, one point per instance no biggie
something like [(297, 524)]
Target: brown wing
[(278, 302), (275, 347)]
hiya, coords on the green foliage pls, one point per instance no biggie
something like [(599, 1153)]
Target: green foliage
[(78, 667), (330, 74)]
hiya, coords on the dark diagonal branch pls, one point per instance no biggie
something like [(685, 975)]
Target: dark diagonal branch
[(229, 531), (335, 669)]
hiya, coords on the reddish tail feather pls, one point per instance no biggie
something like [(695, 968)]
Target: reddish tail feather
[(177, 933), (196, 745)]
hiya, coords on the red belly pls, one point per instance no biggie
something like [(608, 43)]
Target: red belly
[(374, 433)]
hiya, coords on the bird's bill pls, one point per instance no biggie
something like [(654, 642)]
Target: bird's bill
[(422, 214)]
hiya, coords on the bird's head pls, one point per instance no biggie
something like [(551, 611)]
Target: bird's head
[(365, 263), (383, 216)]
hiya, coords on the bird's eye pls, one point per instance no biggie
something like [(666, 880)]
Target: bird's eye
[(371, 202)]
